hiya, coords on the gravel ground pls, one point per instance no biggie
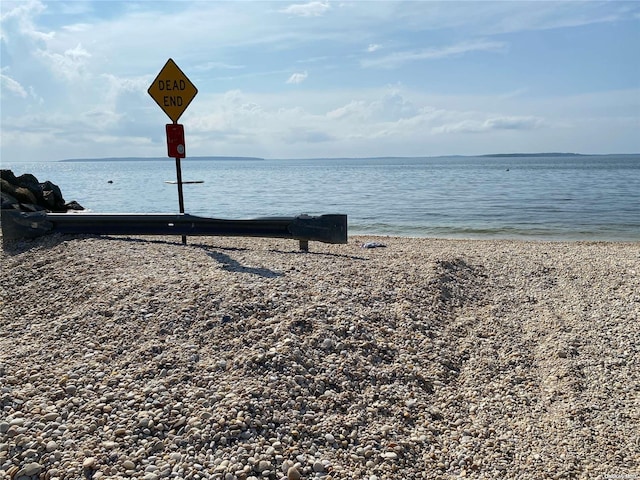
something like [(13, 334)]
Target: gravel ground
[(244, 359)]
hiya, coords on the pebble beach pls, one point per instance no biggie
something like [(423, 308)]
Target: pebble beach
[(247, 359)]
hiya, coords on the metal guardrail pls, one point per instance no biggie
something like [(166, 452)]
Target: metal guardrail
[(305, 228)]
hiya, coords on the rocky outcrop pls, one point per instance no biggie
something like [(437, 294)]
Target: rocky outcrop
[(27, 194)]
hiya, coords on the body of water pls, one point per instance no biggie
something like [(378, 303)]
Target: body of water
[(556, 198)]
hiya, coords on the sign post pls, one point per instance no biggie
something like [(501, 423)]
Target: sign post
[(173, 92)]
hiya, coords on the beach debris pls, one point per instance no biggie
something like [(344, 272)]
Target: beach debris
[(373, 245)]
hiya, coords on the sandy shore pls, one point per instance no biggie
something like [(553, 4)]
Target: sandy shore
[(245, 359)]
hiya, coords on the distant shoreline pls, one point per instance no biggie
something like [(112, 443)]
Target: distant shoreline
[(224, 158), (155, 159)]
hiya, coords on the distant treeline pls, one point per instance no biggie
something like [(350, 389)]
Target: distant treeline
[(154, 159), (222, 158), (551, 154)]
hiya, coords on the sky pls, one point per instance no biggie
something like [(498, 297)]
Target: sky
[(320, 78)]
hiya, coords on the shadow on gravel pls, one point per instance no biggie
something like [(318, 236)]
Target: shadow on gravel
[(322, 254), (232, 265), (16, 247)]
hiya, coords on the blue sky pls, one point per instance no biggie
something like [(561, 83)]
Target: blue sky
[(321, 78)]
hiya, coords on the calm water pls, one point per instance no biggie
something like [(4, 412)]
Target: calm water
[(578, 198)]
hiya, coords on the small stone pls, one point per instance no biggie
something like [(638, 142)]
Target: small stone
[(29, 469), (263, 466), (50, 417), (4, 427), (128, 465), (293, 474), (286, 465), (329, 438), (318, 466), (89, 463), (51, 446), (328, 344)]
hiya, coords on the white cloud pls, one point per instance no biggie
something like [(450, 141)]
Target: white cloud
[(12, 86), (373, 47), (311, 9), (216, 66), (391, 107), (77, 52), (297, 78), (21, 9), (70, 65), (77, 28), (491, 124), (398, 58)]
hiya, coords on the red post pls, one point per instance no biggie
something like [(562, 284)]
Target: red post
[(176, 149)]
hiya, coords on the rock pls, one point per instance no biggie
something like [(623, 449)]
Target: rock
[(73, 205), (8, 200), (128, 465), (8, 176), (52, 195), (286, 465), (24, 195), (28, 181), (50, 417), (318, 467), (89, 463), (29, 469), (328, 344), (27, 194), (293, 474), (263, 465)]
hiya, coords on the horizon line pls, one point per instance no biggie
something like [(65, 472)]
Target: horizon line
[(240, 157)]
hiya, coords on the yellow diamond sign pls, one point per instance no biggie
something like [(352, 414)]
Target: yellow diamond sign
[(172, 90)]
